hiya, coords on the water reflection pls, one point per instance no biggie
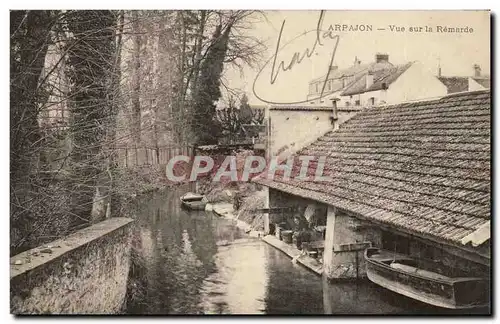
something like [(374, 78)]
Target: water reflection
[(197, 263), (239, 285)]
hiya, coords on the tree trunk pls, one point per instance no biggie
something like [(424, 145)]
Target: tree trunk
[(115, 104), (90, 66), (136, 83), (197, 51), (30, 37)]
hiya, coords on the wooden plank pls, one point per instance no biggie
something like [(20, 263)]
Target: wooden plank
[(274, 210)]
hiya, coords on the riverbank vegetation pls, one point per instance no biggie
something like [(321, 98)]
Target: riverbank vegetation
[(86, 86)]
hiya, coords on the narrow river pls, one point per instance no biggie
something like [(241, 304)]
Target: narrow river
[(198, 263)]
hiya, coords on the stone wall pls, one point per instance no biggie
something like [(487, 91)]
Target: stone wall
[(84, 273)]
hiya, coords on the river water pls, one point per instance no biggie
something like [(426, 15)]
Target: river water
[(198, 263)]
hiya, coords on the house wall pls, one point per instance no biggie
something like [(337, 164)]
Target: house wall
[(474, 86), (364, 98), (293, 129), (344, 115), (415, 83), (84, 273)]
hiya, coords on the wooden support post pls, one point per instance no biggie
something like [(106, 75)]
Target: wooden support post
[(266, 216), (329, 239)]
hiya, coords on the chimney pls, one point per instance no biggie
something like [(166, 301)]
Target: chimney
[(335, 116), (333, 68), (439, 67), (356, 61), (381, 58), (477, 70), (369, 79)]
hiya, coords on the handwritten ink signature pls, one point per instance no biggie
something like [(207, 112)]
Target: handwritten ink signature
[(280, 68)]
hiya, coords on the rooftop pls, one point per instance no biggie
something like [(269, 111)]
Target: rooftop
[(422, 167), (381, 78), (455, 84)]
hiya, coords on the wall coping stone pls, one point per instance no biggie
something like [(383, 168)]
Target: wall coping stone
[(35, 258)]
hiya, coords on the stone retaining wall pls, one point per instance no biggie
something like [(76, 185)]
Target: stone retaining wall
[(84, 273)]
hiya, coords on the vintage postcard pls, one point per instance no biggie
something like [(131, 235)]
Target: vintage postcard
[(250, 162)]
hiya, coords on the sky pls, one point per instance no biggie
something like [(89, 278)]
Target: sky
[(455, 52)]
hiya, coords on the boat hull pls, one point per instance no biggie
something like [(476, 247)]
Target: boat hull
[(452, 293), (193, 201), (194, 205)]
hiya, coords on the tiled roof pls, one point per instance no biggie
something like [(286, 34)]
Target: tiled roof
[(484, 81), (423, 167), (380, 77), (357, 71), (455, 84)]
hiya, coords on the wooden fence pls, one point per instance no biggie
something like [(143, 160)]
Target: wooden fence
[(143, 156)]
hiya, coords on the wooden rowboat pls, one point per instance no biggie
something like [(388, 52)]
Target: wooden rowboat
[(424, 282), (194, 201)]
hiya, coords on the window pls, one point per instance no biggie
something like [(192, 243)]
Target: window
[(372, 101), (357, 103), (347, 103), (317, 84), (329, 85)]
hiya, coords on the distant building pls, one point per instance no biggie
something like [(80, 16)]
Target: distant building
[(376, 83), (466, 83)]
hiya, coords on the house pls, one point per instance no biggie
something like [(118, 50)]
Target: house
[(466, 83), (377, 83), (412, 177)]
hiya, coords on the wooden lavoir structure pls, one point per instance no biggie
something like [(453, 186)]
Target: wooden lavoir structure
[(424, 281), (414, 178)]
